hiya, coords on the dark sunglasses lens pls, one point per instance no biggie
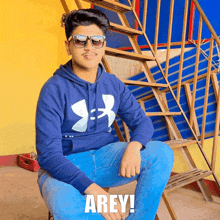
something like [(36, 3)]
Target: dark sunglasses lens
[(80, 41), (98, 41)]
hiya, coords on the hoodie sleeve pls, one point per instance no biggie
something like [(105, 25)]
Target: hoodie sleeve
[(133, 115), (49, 118)]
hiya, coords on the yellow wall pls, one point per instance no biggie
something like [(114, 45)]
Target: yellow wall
[(180, 164), (31, 48)]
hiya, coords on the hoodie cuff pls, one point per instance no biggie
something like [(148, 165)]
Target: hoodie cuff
[(83, 184)]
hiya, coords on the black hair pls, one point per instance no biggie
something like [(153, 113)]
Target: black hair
[(84, 17)]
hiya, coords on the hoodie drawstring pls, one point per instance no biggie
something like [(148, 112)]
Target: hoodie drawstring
[(96, 105), (88, 124)]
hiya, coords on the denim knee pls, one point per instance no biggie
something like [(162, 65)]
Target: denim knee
[(166, 151), (159, 151)]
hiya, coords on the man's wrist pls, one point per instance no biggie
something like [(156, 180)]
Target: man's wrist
[(95, 190), (135, 145)]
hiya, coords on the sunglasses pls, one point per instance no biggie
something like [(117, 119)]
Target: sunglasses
[(80, 41)]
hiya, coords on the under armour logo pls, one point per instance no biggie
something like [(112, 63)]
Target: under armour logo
[(80, 109)]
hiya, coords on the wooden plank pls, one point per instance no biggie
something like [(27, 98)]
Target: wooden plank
[(65, 7), (182, 49), (127, 55), (192, 110), (215, 84), (126, 130), (180, 175), (110, 5), (118, 131), (79, 4), (169, 37), (175, 144), (169, 206), (207, 22), (142, 105), (188, 179), (216, 133), (157, 26), (206, 92), (189, 101), (141, 83), (106, 65), (210, 134), (162, 113), (124, 30), (133, 4), (186, 176), (145, 15), (170, 134), (205, 191)]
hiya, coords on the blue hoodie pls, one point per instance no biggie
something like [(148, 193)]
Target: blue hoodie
[(74, 115)]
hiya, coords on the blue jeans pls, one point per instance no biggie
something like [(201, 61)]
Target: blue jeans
[(102, 166)]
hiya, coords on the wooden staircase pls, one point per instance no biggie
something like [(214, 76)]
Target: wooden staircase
[(176, 142)]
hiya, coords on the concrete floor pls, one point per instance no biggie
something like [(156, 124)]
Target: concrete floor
[(20, 199)]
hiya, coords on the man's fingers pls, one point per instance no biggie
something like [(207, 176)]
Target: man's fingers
[(106, 216), (128, 172), (133, 171), (138, 170), (122, 171), (123, 217), (118, 216)]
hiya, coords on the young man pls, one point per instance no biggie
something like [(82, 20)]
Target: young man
[(76, 150)]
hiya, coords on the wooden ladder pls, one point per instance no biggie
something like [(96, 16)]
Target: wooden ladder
[(176, 142)]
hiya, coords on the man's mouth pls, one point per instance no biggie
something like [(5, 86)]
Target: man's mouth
[(89, 55)]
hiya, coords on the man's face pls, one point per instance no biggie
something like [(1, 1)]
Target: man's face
[(88, 57)]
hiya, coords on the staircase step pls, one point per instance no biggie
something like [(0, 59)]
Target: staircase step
[(163, 113), (124, 30), (183, 179), (141, 83), (110, 5), (127, 55), (174, 144)]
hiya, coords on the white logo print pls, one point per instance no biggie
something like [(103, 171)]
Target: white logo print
[(80, 109)]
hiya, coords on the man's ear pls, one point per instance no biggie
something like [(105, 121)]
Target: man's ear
[(67, 45)]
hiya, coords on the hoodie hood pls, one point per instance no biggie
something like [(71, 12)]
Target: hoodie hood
[(67, 72)]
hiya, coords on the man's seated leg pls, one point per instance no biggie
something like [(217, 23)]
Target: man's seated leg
[(64, 201), (156, 165)]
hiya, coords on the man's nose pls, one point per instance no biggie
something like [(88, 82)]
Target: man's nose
[(88, 45)]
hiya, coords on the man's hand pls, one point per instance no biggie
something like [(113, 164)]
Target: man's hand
[(95, 190), (131, 160)]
